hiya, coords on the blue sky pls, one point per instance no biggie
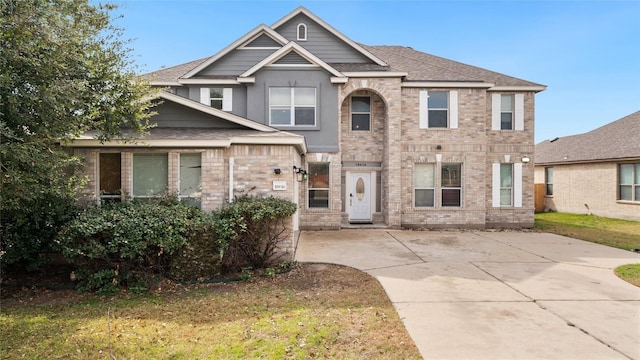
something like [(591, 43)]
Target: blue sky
[(586, 52)]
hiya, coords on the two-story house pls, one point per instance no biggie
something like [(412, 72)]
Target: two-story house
[(354, 134)]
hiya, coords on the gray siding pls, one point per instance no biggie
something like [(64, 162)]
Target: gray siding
[(321, 138), (174, 115), (239, 105), (320, 42), (236, 62), (263, 41)]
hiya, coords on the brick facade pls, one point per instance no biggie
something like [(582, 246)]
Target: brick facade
[(397, 143), (589, 188)]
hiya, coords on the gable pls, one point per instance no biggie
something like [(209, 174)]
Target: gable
[(262, 41), (292, 58), (235, 62), (321, 42), (173, 115)]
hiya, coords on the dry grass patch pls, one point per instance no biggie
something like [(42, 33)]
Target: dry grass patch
[(314, 311)]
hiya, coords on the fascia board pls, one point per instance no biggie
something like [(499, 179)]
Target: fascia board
[(291, 46), (339, 80), (446, 84), (331, 29), (207, 82), (173, 143), (215, 112), (375, 74), (164, 83), (535, 88), (85, 142), (234, 45)]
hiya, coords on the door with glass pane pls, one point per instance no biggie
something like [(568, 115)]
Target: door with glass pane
[(359, 197)]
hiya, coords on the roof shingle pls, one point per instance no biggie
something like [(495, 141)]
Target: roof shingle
[(614, 141)]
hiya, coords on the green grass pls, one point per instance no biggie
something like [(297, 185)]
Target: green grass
[(330, 312), (629, 273), (623, 234)]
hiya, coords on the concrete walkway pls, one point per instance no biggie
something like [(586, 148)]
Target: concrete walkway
[(495, 295)]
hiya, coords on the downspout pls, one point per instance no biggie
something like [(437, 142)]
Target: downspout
[(231, 163)]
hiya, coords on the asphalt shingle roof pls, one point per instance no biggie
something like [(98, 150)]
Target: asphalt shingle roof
[(419, 66), (426, 67), (172, 73), (614, 141)]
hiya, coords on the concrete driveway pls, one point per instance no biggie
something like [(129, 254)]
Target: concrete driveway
[(495, 295)]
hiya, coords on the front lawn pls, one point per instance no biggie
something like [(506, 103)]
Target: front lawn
[(623, 234), (314, 311)]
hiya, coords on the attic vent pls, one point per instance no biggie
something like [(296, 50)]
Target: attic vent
[(302, 32), (292, 58), (263, 41), (554, 139)]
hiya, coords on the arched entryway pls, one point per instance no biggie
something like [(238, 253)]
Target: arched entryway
[(363, 115)]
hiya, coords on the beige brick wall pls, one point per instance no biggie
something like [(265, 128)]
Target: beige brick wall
[(388, 91), (253, 173), (465, 145), (595, 185)]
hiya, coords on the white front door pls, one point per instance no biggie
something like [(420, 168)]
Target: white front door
[(359, 197)]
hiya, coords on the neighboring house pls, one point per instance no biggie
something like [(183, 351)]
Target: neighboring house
[(353, 134), (593, 173)]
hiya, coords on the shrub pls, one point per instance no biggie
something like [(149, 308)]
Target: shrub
[(129, 243), (28, 230), (250, 230)]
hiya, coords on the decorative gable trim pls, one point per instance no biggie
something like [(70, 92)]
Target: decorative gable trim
[(331, 29), (253, 34), (292, 47)]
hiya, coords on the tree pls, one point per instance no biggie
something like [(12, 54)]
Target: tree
[(64, 70)]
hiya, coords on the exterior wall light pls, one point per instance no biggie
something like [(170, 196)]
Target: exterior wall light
[(277, 171), (301, 174), (526, 159)]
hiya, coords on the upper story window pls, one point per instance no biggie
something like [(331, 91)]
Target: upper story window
[(439, 109), (292, 106), (360, 113), (507, 112), (302, 32), (548, 180), (629, 182), (219, 98)]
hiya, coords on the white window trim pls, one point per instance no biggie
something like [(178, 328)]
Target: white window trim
[(292, 117), (452, 110), (518, 112), (227, 98), (435, 185), (516, 186), (298, 37)]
